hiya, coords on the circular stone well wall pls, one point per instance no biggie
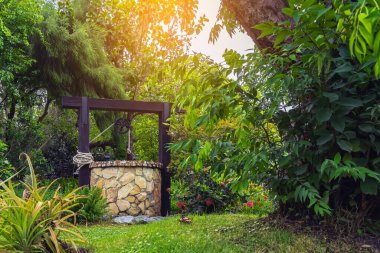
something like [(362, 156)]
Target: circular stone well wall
[(131, 187)]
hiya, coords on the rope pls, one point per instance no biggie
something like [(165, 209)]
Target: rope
[(129, 150), (82, 158), (102, 132)]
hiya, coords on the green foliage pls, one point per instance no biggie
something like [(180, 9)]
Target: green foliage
[(18, 21), (71, 58), (336, 97), (61, 145), (32, 224), (202, 192), (92, 206), (224, 128), (364, 38), (257, 201), (225, 19), (292, 110), (146, 137), (6, 168), (62, 185), (338, 169), (22, 133), (40, 163)]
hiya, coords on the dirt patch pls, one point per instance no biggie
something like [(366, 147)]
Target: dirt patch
[(336, 242)]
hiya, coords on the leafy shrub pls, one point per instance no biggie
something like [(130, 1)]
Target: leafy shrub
[(313, 96), (32, 224), (62, 185), (92, 206), (58, 154), (333, 107), (201, 192), (6, 168)]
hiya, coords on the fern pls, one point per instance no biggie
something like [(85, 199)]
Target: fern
[(338, 168), (93, 206), (308, 192)]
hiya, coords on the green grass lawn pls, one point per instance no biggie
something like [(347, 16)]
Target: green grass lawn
[(208, 233)]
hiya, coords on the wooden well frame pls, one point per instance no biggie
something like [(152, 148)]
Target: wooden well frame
[(162, 109)]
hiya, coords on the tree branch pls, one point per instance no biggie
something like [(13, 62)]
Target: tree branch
[(102, 144), (46, 110)]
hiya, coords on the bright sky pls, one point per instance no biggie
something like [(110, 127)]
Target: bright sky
[(240, 42)]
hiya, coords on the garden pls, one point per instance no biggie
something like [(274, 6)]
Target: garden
[(117, 136)]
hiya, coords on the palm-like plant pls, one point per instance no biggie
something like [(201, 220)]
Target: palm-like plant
[(35, 224)]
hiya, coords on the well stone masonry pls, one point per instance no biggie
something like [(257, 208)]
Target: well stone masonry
[(131, 187)]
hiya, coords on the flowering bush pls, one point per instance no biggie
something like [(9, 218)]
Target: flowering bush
[(201, 192), (258, 201)]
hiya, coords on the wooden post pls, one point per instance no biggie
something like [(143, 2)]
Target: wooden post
[(84, 140), (164, 158)]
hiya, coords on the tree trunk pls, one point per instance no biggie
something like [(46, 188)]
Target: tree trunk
[(253, 12)]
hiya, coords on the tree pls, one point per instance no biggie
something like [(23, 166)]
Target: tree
[(249, 13), (142, 38), (18, 21), (70, 57), (307, 112), (108, 49)]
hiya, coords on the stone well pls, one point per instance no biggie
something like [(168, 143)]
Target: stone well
[(131, 187)]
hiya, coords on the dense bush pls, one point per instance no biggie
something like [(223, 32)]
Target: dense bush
[(203, 192), (330, 154), (303, 116), (59, 155)]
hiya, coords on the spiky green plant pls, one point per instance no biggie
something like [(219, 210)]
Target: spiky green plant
[(35, 224)]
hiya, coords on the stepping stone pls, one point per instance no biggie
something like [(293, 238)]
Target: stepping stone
[(141, 219)]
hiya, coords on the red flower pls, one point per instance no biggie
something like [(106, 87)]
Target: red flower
[(250, 203), (209, 202), (265, 197), (180, 205)]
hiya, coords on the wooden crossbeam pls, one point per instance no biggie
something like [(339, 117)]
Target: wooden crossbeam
[(114, 105)]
